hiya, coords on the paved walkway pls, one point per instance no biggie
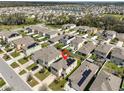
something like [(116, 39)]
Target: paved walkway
[(12, 78)]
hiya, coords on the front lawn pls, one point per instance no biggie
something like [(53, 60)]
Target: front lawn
[(113, 68), (22, 72), (15, 54), (57, 85), (14, 65), (6, 57), (32, 82), (31, 66), (42, 75), (2, 82), (23, 60)]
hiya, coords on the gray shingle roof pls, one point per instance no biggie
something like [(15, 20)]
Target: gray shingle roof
[(46, 54), (106, 82), (26, 41), (79, 74), (118, 53), (103, 48), (87, 48)]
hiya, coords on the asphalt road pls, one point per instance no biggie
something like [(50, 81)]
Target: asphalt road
[(12, 78)]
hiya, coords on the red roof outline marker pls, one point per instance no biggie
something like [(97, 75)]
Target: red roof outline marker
[(65, 54)]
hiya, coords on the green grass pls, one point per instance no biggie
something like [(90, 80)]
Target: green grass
[(31, 66), (122, 85), (93, 56), (42, 76), (22, 72), (2, 82), (14, 65), (57, 85), (23, 60), (15, 54), (44, 45), (111, 67), (1, 51), (32, 83), (6, 57), (59, 45)]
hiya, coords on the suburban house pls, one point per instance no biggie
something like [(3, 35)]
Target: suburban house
[(87, 48), (39, 29), (77, 43), (103, 50), (9, 36), (51, 34), (55, 39), (67, 39), (82, 76), (106, 82), (27, 45), (63, 67), (46, 56), (68, 26), (82, 29), (110, 34), (117, 56)]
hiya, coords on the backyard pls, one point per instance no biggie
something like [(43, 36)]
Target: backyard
[(23, 60), (113, 68)]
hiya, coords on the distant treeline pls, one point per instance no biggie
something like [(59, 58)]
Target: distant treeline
[(36, 3)]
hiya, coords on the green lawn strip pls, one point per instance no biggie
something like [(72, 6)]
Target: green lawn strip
[(57, 85), (6, 57), (31, 66), (22, 72), (15, 54), (32, 82), (111, 67), (42, 76), (2, 82), (23, 60), (14, 65), (1, 51)]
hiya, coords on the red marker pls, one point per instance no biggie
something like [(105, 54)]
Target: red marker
[(65, 54)]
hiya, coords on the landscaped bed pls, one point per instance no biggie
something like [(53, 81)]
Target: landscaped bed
[(2, 82), (22, 72), (44, 45), (14, 65), (23, 60), (42, 75)]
